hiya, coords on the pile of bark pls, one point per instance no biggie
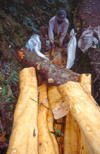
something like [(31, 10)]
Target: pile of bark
[(33, 129)]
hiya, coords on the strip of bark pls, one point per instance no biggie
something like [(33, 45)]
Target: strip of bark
[(52, 73)]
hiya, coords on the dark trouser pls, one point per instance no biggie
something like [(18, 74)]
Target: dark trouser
[(44, 32)]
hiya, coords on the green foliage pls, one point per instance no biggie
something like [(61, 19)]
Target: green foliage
[(29, 24), (10, 98), (4, 92), (2, 78), (24, 38), (13, 11), (14, 78), (9, 32), (97, 45), (58, 131), (18, 42), (41, 104), (6, 71)]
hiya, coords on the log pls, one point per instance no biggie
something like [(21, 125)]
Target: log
[(57, 104), (70, 135), (85, 111), (52, 73), (86, 80), (74, 139), (47, 142), (83, 144), (24, 136)]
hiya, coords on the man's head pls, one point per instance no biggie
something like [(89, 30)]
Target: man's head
[(61, 15)]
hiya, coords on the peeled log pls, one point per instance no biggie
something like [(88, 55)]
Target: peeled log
[(24, 136), (52, 73), (47, 142), (86, 80), (70, 135), (85, 111), (57, 104), (74, 139), (83, 145)]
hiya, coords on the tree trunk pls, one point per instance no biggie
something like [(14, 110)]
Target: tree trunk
[(52, 73)]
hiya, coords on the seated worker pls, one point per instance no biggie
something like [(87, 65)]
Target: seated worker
[(58, 26)]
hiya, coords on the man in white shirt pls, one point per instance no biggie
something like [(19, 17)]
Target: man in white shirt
[(58, 26)]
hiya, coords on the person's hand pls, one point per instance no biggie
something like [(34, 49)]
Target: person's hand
[(60, 45), (47, 37)]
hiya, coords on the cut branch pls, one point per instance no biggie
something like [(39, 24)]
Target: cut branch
[(52, 73)]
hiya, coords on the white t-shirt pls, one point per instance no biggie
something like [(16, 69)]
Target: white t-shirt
[(59, 29)]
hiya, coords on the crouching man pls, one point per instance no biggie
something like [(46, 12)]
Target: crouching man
[(58, 26)]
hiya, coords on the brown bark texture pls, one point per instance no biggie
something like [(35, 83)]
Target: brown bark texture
[(52, 73)]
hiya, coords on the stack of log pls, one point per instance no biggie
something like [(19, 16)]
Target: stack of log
[(34, 126)]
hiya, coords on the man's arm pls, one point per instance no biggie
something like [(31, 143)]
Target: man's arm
[(50, 30)]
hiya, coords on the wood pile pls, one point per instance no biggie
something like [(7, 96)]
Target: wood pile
[(38, 129)]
